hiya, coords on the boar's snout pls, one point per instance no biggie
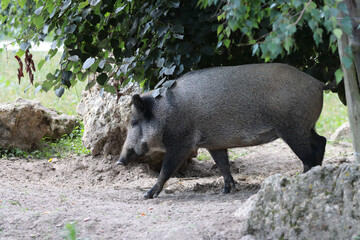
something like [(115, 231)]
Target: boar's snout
[(127, 155)]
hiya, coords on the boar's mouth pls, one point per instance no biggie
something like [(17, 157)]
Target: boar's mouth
[(126, 158)]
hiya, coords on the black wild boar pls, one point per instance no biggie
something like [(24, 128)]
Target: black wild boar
[(227, 107)]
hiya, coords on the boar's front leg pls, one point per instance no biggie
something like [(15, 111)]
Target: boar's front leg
[(222, 161), (172, 161)]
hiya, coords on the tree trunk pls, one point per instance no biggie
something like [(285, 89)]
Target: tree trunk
[(351, 75)]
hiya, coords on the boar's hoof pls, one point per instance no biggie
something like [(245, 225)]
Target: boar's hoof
[(225, 191), (153, 192), (120, 163), (227, 187), (306, 168), (148, 195)]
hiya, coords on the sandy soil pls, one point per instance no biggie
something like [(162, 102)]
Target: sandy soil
[(38, 199)]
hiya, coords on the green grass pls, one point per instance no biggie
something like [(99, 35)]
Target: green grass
[(334, 114), (10, 89), (203, 155), (70, 229)]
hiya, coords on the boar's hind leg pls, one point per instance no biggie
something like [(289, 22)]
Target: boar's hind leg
[(222, 161), (172, 161), (310, 148), (318, 143)]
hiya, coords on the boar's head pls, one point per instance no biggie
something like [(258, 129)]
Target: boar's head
[(143, 132)]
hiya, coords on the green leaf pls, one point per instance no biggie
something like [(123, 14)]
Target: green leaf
[(343, 8), (59, 92), (169, 84), (312, 24), (232, 24), (348, 51), (318, 35), (227, 43), (21, 3), (82, 5), (339, 75), (94, 2), (74, 58), (4, 4), (37, 89), (338, 33), (221, 17), (65, 78), (20, 53), (346, 25), (101, 79), (297, 3), (24, 46), (288, 43), (169, 71), (38, 21), (70, 29), (219, 29), (90, 61), (65, 5), (41, 63), (347, 62), (38, 11), (119, 9), (46, 85), (49, 76)]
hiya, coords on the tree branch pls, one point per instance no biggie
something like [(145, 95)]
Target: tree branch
[(302, 12)]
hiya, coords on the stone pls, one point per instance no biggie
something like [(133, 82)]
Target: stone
[(341, 133), (24, 123), (323, 203)]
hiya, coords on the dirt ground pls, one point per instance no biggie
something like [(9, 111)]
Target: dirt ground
[(39, 198)]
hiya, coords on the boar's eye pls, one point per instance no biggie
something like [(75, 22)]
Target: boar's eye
[(134, 122)]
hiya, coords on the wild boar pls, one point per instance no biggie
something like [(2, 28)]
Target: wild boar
[(227, 107)]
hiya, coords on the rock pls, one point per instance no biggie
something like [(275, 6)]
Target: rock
[(321, 204), (343, 132), (25, 122), (105, 119)]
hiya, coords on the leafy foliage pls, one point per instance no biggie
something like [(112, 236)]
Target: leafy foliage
[(153, 41), (277, 29), (270, 26), (140, 40)]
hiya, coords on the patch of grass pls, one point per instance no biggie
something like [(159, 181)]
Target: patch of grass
[(70, 231), (67, 145), (236, 154), (203, 156), (10, 88), (334, 114), (14, 202)]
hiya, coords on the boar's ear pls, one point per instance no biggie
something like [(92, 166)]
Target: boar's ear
[(139, 102)]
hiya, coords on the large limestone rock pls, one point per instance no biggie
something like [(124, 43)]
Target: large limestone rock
[(25, 122), (321, 204), (342, 133), (105, 119)]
